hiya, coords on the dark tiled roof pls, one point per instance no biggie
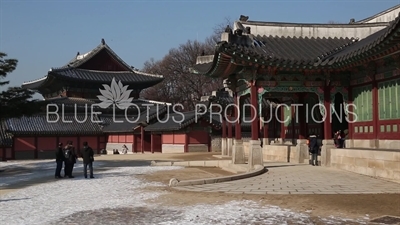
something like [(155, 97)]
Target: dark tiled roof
[(173, 121), (75, 62), (40, 125), (291, 50), (126, 77), (365, 45), (5, 137), (71, 71)]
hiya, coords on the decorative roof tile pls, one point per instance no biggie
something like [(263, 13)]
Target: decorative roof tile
[(51, 125), (5, 137)]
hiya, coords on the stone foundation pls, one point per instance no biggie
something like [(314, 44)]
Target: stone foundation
[(238, 156), (216, 144), (376, 163), (255, 154), (374, 143)]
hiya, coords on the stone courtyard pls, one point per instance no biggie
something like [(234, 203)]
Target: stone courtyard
[(127, 190)]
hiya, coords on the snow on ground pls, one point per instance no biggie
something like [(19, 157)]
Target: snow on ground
[(117, 196)]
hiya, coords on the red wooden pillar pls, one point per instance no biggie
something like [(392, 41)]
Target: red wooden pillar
[(350, 109), (78, 146), (223, 127), (142, 139), (36, 153), (13, 148), (230, 128), (4, 154), (152, 144), (254, 111), (186, 148), (302, 117), (282, 121), (209, 143), (375, 109), (135, 143), (266, 127), (327, 123), (238, 127)]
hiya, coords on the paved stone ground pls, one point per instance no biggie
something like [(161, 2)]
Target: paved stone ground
[(301, 179)]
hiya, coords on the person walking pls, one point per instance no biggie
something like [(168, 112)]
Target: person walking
[(59, 160), (314, 149), (70, 159), (87, 155)]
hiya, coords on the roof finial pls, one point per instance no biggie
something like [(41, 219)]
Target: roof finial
[(228, 29), (103, 42), (352, 20), (77, 54), (243, 18)]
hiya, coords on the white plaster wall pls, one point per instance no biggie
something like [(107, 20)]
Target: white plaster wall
[(312, 30), (172, 148)]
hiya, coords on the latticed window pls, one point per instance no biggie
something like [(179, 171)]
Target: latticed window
[(389, 99), (363, 103)]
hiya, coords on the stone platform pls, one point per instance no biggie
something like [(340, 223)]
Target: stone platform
[(285, 178)]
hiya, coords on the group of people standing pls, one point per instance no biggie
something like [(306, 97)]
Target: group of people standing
[(68, 156)]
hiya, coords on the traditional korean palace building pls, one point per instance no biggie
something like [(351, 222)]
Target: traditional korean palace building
[(75, 112), (350, 69)]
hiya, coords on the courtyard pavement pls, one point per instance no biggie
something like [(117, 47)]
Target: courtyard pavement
[(284, 178)]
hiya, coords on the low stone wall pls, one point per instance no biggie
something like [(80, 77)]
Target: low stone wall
[(279, 153), (216, 144), (373, 143), (198, 148), (371, 162), (173, 148)]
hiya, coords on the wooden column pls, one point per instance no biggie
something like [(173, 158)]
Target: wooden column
[(302, 117), (230, 127), (152, 143), (327, 123), (209, 143), (375, 108), (142, 139), (224, 127), (238, 127), (282, 121), (265, 126), (135, 143), (350, 113), (78, 148), (254, 111), (13, 148), (4, 154), (186, 142), (98, 144), (36, 153)]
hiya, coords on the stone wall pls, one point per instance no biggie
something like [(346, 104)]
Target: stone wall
[(376, 163), (373, 143), (197, 148), (216, 143)]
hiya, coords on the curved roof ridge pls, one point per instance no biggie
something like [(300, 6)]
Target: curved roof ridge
[(147, 74), (251, 22), (34, 81), (378, 14)]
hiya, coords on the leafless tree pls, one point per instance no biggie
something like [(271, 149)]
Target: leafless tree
[(179, 85)]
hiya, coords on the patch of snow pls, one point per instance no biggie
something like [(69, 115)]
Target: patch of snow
[(119, 196)]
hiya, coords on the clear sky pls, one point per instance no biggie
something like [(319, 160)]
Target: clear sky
[(45, 34)]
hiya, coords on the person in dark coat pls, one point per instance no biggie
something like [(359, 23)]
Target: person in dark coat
[(314, 149), (59, 160), (88, 158), (70, 159)]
